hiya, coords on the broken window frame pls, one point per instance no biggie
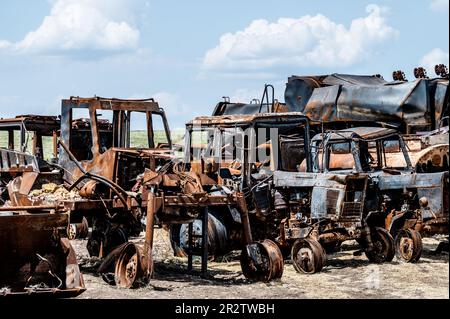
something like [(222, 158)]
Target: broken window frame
[(325, 147)]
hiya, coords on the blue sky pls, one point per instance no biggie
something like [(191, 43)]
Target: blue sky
[(188, 54)]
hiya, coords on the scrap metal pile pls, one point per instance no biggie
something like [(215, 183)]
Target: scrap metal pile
[(345, 158)]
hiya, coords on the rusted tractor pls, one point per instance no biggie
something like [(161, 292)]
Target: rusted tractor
[(350, 195), (238, 153), (91, 175)]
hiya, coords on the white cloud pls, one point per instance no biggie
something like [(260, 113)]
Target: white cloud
[(4, 44), (307, 41), (74, 26), (439, 5), (435, 56)]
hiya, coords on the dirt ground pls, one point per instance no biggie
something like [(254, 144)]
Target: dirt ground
[(345, 276)]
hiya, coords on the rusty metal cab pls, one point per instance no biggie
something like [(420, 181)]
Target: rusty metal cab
[(29, 133), (107, 154), (22, 150)]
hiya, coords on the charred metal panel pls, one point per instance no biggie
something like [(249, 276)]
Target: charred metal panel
[(300, 179), (429, 185), (413, 106), (326, 202), (440, 100), (299, 89), (236, 108), (388, 103), (387, 182), (326, 108)]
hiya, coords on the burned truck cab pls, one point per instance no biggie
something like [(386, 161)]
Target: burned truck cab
[(25, 138), (242, 145), (413, 201), (29, 133)]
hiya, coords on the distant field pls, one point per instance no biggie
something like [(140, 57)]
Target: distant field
[(138, 139)]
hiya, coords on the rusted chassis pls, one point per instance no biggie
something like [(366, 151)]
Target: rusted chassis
[(133, 263)]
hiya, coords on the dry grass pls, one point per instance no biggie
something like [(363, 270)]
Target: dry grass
[(345, 276)]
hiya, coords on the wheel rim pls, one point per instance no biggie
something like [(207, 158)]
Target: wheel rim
[(382, 246), (307, 256), (262, 261), (217, 237), (126, 267), (131, 268), (408, 245)]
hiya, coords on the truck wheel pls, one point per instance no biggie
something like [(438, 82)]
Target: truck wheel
[(308, 256), (218, 244), (133, 268), (383, 246), (262, 261), (408, 245)]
